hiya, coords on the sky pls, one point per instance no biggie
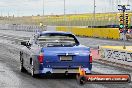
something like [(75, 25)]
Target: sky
[(56, 7)]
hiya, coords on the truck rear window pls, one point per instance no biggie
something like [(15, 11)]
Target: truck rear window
[(52, 40)]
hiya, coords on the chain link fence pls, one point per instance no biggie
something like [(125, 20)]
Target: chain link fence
[(101, 19)]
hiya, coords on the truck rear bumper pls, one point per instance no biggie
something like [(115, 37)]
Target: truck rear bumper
[(51, 70)]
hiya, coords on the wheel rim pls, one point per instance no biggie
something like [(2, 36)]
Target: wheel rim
[(32, 69), (21, 64), (82, 80)]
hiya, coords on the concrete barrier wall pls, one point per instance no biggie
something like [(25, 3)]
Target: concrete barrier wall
[(28, 28), (116, 54), (51, 28), (110, 33)]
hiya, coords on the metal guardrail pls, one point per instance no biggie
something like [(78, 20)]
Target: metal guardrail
[(28, 28)]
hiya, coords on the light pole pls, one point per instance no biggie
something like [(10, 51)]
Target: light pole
[(64, 7), (64, 12), (43, 7), (94, 12), (128, 2)]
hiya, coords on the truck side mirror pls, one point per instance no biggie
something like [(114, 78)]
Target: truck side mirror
[(24, 43)]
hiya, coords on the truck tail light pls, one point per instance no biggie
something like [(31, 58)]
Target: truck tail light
[(90, 58), (41, 58)]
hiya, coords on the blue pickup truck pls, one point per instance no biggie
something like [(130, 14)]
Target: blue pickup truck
[(54, 52)]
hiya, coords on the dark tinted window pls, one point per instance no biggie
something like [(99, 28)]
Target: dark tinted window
[(56, 39)]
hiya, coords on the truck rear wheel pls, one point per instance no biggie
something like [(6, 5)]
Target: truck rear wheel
[(32, 70), (22, 69), (81, 80)]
